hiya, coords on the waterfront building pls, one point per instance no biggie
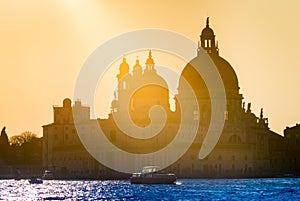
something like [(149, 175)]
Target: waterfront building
[(247, 147), (243, 148), (292, 144), (63, 152)]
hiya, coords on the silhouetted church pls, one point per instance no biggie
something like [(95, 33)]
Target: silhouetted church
[(242, 149), (246, 148)]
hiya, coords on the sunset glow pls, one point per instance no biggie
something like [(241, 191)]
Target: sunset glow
[(43, 45)]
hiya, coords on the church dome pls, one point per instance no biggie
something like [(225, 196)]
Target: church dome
[(150, 75), (149, 91), (155, 79), (152, 91), (137, 65), (225, 70), (227, 74)]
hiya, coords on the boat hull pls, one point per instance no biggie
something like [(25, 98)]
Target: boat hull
[(35, 181)]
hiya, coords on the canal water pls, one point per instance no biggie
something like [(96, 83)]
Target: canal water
[(184, 189)]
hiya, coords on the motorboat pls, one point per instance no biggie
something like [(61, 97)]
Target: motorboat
[(35, 180), (150, 175), (47, 175)]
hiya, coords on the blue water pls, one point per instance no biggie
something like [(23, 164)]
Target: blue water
[(185, 189)]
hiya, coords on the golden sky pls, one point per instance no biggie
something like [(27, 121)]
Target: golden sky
[(43, 45)]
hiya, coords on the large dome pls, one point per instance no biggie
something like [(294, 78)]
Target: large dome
[(151, 91), (209, 45), (227, 74)]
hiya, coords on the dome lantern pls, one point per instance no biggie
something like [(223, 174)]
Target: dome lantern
[(137, 68), (150, 62), (207, 39)]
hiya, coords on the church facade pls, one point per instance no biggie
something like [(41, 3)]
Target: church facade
[(246, 148)]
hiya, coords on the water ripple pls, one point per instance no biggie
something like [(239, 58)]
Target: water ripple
[(185, 189)]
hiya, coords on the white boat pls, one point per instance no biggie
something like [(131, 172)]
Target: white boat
[(150, 175), (35, 180), (47, 175)]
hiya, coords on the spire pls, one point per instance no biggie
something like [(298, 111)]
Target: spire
[(207, 22), (150, 62)]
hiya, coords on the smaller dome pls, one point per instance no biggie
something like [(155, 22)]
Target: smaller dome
[(67, 102), (137, 65), (155, 79), (150, 61)]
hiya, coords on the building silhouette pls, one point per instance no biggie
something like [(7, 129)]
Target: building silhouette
[(292, 142), (247, 147), (242, 149), (63, 152)]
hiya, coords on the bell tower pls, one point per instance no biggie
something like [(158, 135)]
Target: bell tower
[(122, 79)]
